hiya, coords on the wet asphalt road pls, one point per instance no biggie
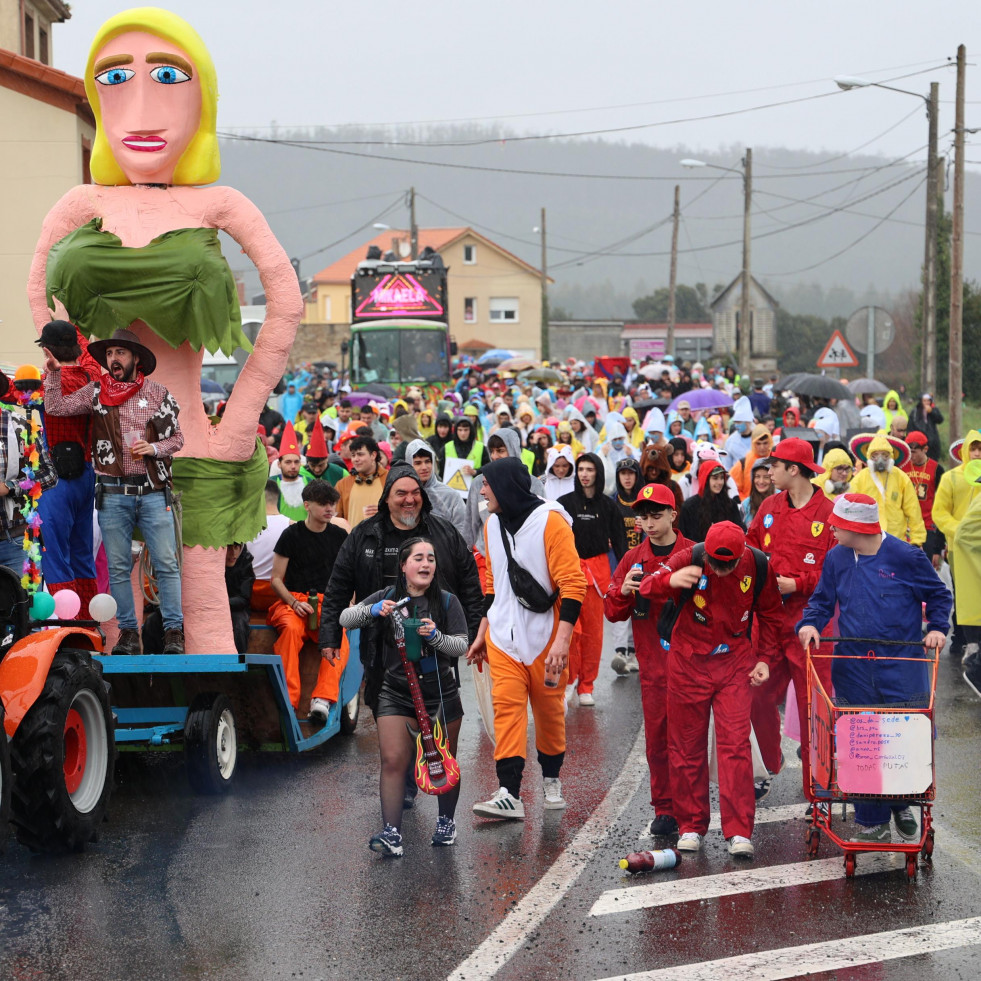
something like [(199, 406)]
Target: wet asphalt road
[(276, 881)]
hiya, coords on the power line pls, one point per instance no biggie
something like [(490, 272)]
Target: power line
[(381, 214)]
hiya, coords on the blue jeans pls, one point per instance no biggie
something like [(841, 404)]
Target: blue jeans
[(119, 515), (66, 510), (12, 554)]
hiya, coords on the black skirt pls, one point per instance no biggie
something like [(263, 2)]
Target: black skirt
[(396, 699)]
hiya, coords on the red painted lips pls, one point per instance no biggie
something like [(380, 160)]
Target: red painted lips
[(145, 144)]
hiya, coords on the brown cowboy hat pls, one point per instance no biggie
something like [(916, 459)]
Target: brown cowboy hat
[(127, 339)]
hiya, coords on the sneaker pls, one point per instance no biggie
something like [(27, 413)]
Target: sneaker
[(661, 825), (761, 788), (972, 673), (128, 642), (554, 800), (387, 842), (970, 653), (740, 846), (501, 806), (319, 709), (878, 834), (445, 833), (689, 842), (906, 826), (632, 666), (619, 662), (586, 698), (570, 696)]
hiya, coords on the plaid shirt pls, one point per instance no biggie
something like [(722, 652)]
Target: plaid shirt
[(74, 429), (12, 526)]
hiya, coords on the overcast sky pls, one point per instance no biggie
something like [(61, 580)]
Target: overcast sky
[(538, 66)]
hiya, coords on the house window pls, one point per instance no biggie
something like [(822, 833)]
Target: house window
[(470, 310), (470, 255), (28, 36), (503, 309), (43, 55)]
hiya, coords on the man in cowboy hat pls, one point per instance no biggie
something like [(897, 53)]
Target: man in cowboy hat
[(135, 433), (892, 490), (879, 584), (792, 528)]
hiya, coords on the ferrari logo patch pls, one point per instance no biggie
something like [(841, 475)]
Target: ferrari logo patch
[(816, 528), (766, 540), (699, 601), (745, 583)]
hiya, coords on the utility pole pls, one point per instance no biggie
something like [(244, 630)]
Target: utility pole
[(956, 380), (544, 270), (673, 281), (745, 329), (413, 230), (929, 360)]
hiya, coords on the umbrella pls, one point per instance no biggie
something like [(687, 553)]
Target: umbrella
[(495, 356), (543, 375), (650, 371), (703, 398), (786, 384), (377, 388), (210, 386), (820, 387), (867, 386), (518, 364)]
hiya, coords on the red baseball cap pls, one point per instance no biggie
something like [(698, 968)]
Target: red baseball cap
[(799, 451), (916, 438), (655, 494), (725, 541)]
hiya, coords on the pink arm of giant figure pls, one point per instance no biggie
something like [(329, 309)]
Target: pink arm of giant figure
[(234, 437)]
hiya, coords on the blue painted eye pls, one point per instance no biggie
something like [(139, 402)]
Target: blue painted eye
[(169, 75), (115, 76)]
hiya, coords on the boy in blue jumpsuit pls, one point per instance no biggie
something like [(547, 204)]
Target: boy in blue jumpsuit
[(879, 584)]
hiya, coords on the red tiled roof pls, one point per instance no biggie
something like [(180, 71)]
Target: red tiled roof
[(44, 83), (436, 238)]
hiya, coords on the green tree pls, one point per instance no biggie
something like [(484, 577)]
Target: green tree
[(801, 338), (688, 302)]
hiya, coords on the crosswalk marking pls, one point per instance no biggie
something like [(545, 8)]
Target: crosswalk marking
[(838, 954), (771, 815), (660, 892)]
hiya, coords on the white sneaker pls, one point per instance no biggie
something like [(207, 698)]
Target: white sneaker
[(319, 709), (501, 806), (690, 841), (632, 666), (738, 845), (586, 698), (620, 661), (552, 787)]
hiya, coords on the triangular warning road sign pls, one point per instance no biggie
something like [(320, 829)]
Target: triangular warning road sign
[(837, 353)]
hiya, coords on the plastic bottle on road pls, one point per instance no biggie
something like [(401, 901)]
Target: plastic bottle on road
[(664, 858)]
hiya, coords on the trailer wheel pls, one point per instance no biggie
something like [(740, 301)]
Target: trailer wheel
[(350, 712), (210, 744), (5, 781), (849, 865), (64, 756)]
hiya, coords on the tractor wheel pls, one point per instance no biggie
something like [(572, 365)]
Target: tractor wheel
[(64, 756), (210, 744), (350, 713), (5, 782)]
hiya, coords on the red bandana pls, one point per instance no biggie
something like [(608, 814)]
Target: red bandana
[(112, 392)]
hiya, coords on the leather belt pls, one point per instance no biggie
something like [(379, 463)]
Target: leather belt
[(128, 486)]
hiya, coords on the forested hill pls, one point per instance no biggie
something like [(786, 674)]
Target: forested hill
[(829, 232)]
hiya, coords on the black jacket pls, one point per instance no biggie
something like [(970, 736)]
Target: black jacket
[(359, 571), (596, 521)]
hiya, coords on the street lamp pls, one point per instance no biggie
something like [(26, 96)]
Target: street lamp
[(744, 338), (928, 359)]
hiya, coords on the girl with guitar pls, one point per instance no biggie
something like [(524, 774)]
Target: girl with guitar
[(418, 691)]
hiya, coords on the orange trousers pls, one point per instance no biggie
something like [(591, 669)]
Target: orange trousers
[(513, 686), (293, 631), (586, 649)]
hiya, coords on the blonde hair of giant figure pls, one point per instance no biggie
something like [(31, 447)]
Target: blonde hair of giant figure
[(201, 162)]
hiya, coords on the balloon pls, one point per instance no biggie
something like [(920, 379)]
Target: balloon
[(102, 607), (66, 604), (42, 606)]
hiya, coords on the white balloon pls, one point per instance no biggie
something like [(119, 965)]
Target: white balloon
[(102, 607)]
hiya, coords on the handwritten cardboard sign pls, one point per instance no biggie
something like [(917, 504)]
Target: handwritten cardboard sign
[(879, 753)]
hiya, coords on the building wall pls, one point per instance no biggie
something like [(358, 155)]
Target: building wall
[(10, 26), (585, 340), (41, 160)]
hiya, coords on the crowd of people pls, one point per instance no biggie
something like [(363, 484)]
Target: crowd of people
[(515, 525)]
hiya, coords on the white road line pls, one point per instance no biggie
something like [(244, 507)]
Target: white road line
[(507, 939), (839, 954), (660, 892)]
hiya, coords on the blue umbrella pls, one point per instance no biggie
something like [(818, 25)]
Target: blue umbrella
[(209, 385), (496, 354)]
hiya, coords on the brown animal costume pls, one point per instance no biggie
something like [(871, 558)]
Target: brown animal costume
[(655, 468)]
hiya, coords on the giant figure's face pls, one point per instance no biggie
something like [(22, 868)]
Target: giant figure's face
[(150, 98)]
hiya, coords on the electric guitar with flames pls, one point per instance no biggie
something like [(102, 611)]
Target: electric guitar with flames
[(436, 769)]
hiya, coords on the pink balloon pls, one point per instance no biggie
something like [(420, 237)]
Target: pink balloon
[(67, 604)]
